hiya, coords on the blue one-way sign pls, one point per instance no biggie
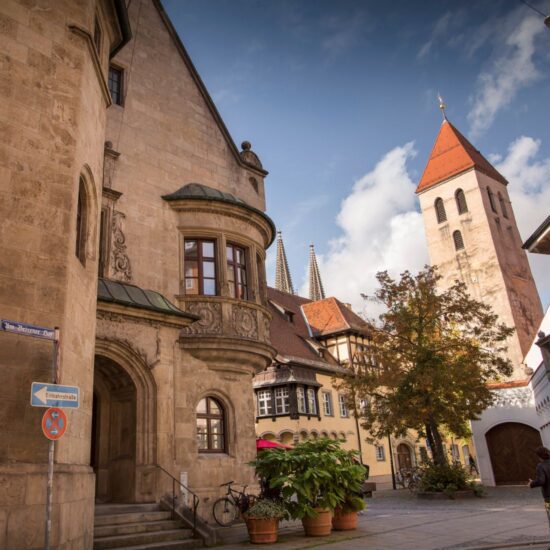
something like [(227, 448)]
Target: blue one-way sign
[(54, 395)]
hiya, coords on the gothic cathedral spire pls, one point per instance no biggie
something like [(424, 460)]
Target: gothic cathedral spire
[(283, 280), (316, 290)]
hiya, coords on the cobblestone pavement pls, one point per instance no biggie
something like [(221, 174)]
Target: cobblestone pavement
[(507, 517)]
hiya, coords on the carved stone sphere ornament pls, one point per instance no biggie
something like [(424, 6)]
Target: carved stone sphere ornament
[(249, 156)]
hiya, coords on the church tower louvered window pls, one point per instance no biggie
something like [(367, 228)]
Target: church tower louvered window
[(459, 242), (440, 211), (461, 204)]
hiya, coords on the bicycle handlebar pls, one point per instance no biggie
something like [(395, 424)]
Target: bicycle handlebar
[(228, 483)]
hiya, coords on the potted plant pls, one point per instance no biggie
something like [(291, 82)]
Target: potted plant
[(262, 520), (350, 477), (312, 480)]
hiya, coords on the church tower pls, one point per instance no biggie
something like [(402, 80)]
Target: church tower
[(316, 290), (472, 236), (283, 280)]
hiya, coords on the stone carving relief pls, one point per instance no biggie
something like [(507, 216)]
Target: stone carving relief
[(120, 263), (210, 321), (267, 325), (245, 322), (513, 397)]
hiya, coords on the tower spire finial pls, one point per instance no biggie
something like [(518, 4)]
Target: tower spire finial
[(283, 280), (316, 290), (442, 106)]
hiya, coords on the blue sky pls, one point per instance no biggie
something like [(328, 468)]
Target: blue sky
[(339, 101)]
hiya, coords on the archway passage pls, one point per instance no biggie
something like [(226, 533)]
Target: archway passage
[(113, 455), (404, 459), (511, 448)]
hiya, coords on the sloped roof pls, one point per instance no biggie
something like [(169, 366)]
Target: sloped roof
[(330, 316), (451, 155), (133, 296)]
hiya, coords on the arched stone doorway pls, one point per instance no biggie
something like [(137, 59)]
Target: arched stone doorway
[(404, 459), (123, 450), (113, 432), (511, 449)]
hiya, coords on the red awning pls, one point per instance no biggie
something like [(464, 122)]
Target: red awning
[(266, 444)]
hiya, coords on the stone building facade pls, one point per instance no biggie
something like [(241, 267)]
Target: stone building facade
[(473, 237), (132, 222)]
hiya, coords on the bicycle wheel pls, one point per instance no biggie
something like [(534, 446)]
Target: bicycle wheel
[(225, 512)]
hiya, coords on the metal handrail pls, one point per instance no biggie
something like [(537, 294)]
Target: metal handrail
[(196, 499)]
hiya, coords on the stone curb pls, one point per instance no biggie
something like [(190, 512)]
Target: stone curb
[(510, 545)]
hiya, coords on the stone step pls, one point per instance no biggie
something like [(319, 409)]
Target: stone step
[(138, 527), (102, 509), (189, 544), (128, 517), (142, 539)]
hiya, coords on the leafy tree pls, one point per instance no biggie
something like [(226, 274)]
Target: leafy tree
[(429, 360)]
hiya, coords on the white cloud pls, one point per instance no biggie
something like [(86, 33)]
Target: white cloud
[(439, 31), (511, 71), (381, 229), (529, 190)]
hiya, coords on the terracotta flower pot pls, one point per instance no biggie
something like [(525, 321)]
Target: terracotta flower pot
[(262, 530), (344, 521), (320, 526)]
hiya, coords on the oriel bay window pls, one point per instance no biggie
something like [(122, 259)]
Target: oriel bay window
[(210, 426), (200, 267), (236, 272), (301, 399)]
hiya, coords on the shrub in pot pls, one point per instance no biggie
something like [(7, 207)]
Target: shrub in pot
[(262, 520), (313, 478)]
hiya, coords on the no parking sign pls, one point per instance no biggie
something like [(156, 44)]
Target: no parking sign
[(54, 423)]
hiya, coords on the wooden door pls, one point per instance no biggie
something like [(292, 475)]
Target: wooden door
[(404, 456), (512, 451)]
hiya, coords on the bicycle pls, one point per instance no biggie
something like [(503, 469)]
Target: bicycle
[(227, 509)]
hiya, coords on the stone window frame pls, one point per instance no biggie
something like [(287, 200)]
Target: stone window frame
[(235, 266), (380, 453), (458, 240), (199, 260), (327, 400), (502, 204), (209, 417), (121, 84), (85, 215), (492, 204), (461, 204), (440, 212)]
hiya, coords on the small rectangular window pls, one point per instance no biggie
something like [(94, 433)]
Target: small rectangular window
[(423, 454), (236, 272), (115, 84), (327, 403), (343, 406), (311, 403), (380, 453), (265, 407), (199, 267), (301, 398), (455, 453), (281, 400)]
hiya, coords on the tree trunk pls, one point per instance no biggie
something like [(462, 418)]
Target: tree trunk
[(435, 441)]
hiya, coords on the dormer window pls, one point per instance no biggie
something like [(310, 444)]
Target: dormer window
[(289, 316)]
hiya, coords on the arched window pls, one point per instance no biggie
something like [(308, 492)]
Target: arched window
[(459, 242), (440, 211), (210, 426), (491, 200), (81, 222), (461, 201), (502, 206)]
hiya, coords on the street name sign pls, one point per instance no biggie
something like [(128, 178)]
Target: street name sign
[(25, 329), (55, 395)]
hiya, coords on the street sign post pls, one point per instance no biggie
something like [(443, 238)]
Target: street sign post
[(54, 395), (54, 423)]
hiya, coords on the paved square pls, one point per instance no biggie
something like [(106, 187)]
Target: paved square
[(508, 517)]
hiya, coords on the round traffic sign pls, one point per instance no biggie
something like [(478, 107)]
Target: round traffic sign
[(54, 423)]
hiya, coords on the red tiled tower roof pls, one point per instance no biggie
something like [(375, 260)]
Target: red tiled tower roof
[(451, 155)]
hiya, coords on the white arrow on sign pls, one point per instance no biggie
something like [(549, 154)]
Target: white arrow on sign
[(44, 395)]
